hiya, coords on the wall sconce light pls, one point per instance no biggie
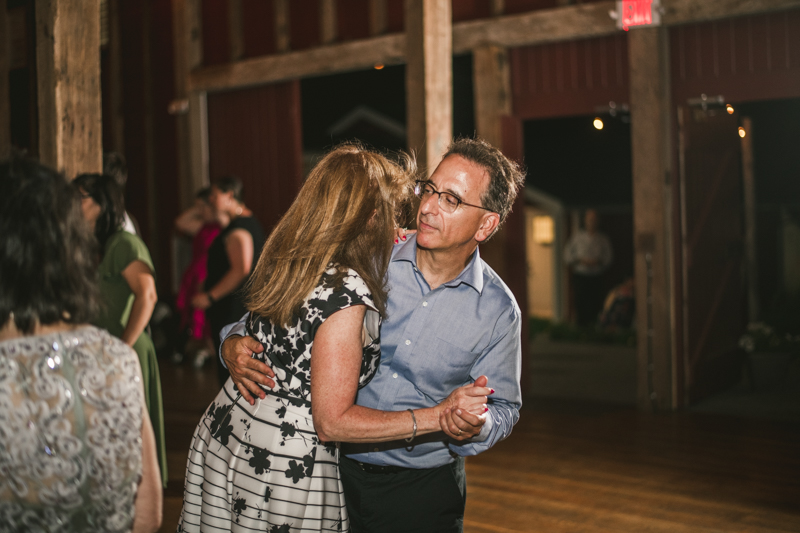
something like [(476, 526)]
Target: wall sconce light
[(598, 123), (742, 132), (543, 230)]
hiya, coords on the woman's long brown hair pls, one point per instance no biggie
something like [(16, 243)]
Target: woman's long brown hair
[(345, 215)]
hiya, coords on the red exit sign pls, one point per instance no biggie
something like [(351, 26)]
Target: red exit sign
[(632, 13)]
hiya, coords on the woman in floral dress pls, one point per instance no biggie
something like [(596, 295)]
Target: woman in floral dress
[(316, 299)]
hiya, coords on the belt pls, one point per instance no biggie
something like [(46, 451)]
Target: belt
[(378, 469)]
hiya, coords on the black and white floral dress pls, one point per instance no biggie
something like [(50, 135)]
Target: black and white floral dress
[(262, 467)]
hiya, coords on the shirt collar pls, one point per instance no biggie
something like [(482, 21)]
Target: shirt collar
[(472, 274)]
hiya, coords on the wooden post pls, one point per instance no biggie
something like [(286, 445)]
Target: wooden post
[(377, 17), (193, 125), (5, 65), (235, 32), (282, 26), (651, 149), (751, 250), (429, 79), (327, 9), (117, 118), (492, 83), (68, 73)]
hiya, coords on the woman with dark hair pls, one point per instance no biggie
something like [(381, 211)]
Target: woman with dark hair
[(230, 260), (316, 299), (127, 287), (77, 447)]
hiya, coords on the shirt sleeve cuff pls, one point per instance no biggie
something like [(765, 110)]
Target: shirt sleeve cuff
[(486, 429), (236, 328)]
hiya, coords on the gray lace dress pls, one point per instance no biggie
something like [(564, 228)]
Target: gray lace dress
[(70, 432)]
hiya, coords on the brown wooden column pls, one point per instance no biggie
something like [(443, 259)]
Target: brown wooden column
[(429, 79), (651, 149), (68, 73), (5, 65), (193, 125), (492, 85)]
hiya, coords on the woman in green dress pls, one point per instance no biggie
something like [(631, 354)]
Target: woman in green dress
[(127, 287)]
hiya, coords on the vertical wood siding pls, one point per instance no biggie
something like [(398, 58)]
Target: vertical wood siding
[(569, 78), (255, 134), (746, 58)]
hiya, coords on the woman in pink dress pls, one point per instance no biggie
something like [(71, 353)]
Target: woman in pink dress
[(202, 224)]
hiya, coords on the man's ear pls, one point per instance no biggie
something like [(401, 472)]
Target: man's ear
[(489, 223)]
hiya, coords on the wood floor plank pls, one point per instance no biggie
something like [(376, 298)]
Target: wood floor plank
[(576, 467)]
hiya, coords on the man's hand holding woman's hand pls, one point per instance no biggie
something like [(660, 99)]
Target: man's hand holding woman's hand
[(246, 371), (464, 411)]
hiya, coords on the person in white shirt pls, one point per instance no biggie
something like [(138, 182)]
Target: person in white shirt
[(588, 254)]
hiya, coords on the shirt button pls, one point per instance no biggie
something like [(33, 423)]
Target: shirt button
[(394, 375), (408, 342), (424, 304)]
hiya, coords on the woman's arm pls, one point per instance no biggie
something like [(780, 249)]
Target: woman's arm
[(149, 504), (143, 285), (240, 250), (190, 221), (335, 367)]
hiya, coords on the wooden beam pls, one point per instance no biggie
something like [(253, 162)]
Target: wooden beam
[(689, 11), (68, 73), (651, 161), (536, 27), (327, 11), (354, 55), (429, 79), (526, 29), (192, 125), (5, 94), (492, 85)]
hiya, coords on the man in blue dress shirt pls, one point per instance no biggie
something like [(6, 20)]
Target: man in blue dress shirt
[(451, 321)]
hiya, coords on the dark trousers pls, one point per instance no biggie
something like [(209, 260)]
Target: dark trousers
[(420, 501), (588, 298)]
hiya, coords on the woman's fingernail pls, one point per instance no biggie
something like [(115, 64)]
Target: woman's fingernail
[(485, 409), (492, 391), (403, 237), (396, 241)]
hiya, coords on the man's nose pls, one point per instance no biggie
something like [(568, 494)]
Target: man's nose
[(430, 205)]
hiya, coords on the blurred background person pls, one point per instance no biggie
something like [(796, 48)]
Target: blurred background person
[(114, 165), (231, 258), (588, 253), (200, 223), (78, 452), (127, 288)]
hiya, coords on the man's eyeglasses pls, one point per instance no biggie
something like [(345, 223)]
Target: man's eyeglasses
[(447, 202)]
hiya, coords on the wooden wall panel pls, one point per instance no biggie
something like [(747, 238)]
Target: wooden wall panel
[(167, 193), (255, 134), (352, 19), (471, 9), (743, 59), (216, 32), (570, 78), (258, 27), (521, 6), (395, 16), (304, 24)]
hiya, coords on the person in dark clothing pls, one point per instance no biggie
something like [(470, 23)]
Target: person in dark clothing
[(231, 258)]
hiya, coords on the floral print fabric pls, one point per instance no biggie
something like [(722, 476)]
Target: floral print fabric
[(262, 467)]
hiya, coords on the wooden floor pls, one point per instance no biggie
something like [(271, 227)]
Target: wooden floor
[(577, 467)]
